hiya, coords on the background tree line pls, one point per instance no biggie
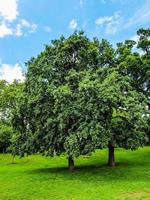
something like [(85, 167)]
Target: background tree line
[(79, 95)]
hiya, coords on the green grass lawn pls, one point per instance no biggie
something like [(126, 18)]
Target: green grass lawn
[(41, 178)]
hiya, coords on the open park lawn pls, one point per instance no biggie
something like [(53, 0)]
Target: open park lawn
[(44, 178)]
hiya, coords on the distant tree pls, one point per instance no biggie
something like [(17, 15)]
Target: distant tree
[(6, 133), (9, 95)]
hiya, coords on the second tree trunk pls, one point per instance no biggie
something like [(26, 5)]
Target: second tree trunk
[(71, 164), (111, 159)]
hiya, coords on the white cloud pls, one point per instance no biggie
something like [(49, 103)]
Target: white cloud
[(9, 9), (11, 73), (10, 23), (8, 13), (5, 30), (110, 23), (73, 24), (141, 16)]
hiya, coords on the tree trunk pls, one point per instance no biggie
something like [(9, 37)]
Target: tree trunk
[(111, 160), (71, 164)]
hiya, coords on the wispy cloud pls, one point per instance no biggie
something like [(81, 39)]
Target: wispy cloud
[(111, 23), (73, 24), (104, 20), (84, 25), (23, 25), (103, 1), (47, 29), (141, 16), (81, 2)]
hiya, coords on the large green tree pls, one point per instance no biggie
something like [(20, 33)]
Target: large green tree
[(47, 116), (75, 100)]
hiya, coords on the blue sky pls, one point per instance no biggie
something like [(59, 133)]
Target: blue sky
[(26, 25)]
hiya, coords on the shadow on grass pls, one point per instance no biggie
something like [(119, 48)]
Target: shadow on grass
[(124, 171), (130, 167), (78, 169)]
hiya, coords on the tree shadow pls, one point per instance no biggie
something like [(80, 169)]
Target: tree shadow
[(124, 171), (134, 167), (60, 170)]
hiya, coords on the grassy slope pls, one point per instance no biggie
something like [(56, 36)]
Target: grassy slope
[(40, 178)]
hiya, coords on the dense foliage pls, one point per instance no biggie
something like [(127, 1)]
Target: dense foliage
[(82, 94), (136, 64)]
